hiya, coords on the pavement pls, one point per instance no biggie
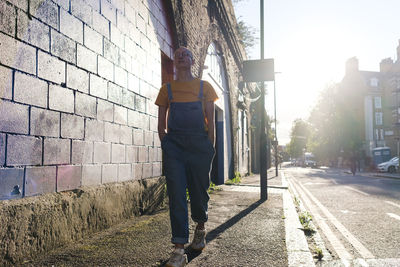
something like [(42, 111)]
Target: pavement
[(242, 231)]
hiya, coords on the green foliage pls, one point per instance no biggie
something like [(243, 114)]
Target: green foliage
[(247, 34), (318, 253), (213, 188), (300, 135), (305, 220), (235, 180)]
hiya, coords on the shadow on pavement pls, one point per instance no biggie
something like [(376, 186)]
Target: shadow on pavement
[(223, 227)]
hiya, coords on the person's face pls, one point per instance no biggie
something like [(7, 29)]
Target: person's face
[(183, 58)]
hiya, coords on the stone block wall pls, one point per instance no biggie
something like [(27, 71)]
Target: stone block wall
[(78, 80)]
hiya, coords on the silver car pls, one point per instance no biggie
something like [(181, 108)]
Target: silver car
[(389, 166)]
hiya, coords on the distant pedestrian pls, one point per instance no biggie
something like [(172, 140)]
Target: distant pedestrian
[(353, 164), (186, 130)]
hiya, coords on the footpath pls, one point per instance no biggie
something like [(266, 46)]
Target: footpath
[(242, 231)]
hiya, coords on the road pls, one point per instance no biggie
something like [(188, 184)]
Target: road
[(357, 216)]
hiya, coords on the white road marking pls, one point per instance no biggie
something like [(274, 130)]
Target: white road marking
[(336, 244), (311, 183), (392, 203), (365, 253), (393, 215), (344, 211), (333, 181), (361, 262), (358, 191)]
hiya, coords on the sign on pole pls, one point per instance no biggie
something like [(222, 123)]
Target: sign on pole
[(258, 70)]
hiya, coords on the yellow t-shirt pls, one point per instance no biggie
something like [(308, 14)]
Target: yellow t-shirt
[(187, 92)]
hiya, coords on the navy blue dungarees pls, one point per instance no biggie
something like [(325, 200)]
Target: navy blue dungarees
[(188, 153)]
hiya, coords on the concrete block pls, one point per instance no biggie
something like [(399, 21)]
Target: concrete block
[(9, 178), (156, 139), (21, 4), (114, 93), (98, 86), (63, 47), (2, 149), (40, 180), (130, 45), (120, 115), (137, 169), (140, 103), (6, 77), (157, 168), (152, 154), (61, 98), (56, 151), (77, 79), (94, 130), (23, 150), (102, 152), (17, 55), (147, 170), (130, 14), (133, 83), (119, 5), (153, 124), (45, 122), (109, 11), (117, 153), (51, 68), (68, 177), (82, 152), (111, 132), (138, 137), (85, 105), (91, 175), (117, 37), (71, 26), (148, 138), (128, 98), (152, 109), (14, 117), (123, 22), (105, 110), (30, 90), (105, 68), (133, 118), (72, 126), (46, 11), (93, 40), (101, 24), (94, 4), (125, 61), (86, 59), (124, 172), (143, 154), (141, 24), (62, 3), (131, 154), (110, 51), (126, 135), (121, 77), (7, 18), (109, 173), (82, 11)]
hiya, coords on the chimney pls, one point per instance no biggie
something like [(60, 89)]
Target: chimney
[(386, 64), (351, 65)]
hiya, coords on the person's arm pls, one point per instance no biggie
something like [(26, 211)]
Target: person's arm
[(162, 121), (210, 110)]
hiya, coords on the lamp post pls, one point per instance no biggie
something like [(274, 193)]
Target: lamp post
[(276, 137), (263, 137)]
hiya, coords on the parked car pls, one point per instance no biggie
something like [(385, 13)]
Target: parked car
[(389, 166)]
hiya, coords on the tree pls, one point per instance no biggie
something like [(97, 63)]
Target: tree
[(299, 137)]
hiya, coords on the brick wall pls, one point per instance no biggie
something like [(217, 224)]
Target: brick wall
[(78, 80)]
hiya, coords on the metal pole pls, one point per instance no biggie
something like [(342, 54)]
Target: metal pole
[(276, 137), (263, 141)]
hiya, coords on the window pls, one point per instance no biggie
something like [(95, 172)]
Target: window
[(378, 102), (374, 82), (376, 134), (378, 118)]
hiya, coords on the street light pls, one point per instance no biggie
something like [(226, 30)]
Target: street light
[(276, 137)]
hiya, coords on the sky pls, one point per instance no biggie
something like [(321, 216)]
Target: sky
[(310, 41)]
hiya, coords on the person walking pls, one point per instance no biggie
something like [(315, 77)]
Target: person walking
[(186, 130)]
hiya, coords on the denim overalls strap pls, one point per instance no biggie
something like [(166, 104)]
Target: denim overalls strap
[(186, 117)]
